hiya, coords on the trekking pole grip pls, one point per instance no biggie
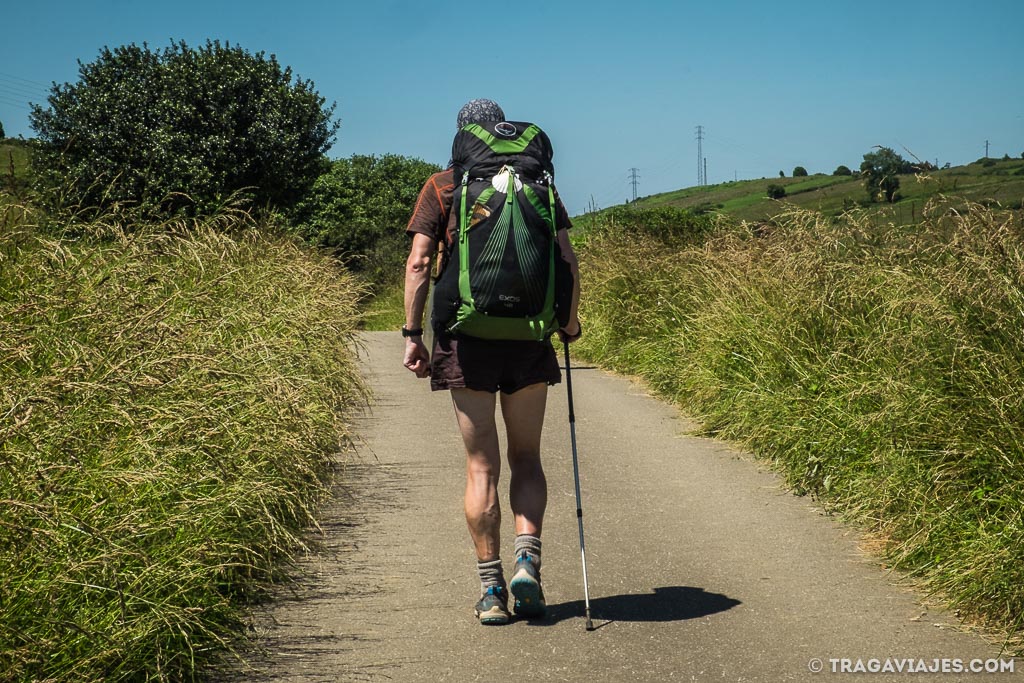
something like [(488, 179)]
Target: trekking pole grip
[(568, 382)]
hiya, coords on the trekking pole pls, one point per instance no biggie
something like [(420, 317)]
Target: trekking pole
[(576, 475)]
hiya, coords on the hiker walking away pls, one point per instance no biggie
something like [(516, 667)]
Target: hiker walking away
[(509, 280)]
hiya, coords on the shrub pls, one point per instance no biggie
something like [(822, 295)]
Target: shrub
[(880, 170), (842, 170), (183, 128), (776, 191), (799, 171), (359, 209)]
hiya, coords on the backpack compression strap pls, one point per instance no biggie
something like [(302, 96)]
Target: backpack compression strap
[(500, 146), (540, 328)]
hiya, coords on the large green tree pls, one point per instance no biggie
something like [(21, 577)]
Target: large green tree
[(360, 208), (183, 128), (880, 170)]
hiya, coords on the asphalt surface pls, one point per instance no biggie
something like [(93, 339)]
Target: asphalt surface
[(701, 565)]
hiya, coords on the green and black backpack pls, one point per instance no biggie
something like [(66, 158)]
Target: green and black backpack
[(504, 277)]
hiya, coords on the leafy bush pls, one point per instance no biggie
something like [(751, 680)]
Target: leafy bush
[(183, 128), (842, 170), (360, 208), (880, 170), (776, 191), (799, 171)]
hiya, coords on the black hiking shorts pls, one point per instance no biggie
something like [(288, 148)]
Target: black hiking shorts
[(491, 365)]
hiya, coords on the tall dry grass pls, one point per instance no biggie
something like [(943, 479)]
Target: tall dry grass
[(171, 401), (881, 368)]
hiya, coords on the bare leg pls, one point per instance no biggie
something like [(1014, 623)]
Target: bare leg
[(523, 412), (475, 413)]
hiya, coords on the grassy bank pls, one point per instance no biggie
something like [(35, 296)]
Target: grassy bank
[(880, 368), (986, 181), (170, 405)]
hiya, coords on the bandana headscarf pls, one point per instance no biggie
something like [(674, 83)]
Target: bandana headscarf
[(479, 111)]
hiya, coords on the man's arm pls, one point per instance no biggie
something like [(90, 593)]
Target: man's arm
[(571, 332), (417, 283)]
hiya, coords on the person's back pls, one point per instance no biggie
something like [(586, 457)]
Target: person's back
[(475, 370)]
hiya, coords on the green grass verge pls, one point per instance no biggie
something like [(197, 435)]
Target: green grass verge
[(880, 368), (386, 311), (14, 165), (172, 402)]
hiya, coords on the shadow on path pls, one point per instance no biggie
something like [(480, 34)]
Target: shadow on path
[(671, 603)]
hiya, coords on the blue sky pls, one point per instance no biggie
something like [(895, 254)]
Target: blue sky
[(616, 84)]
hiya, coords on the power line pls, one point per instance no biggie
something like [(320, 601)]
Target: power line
[(21, 94), (11, 102), (25, 80), (17, 84), (634, 179)]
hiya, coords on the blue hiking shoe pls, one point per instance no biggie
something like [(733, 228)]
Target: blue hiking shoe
[(492, 610), (526, 588)]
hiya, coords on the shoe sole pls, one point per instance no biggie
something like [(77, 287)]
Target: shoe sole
[(529, 600), (493, 617)]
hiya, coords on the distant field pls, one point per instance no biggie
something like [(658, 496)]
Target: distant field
[(999, 182), (14, 160)]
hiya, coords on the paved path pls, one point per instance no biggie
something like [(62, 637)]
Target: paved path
[(701, 566)]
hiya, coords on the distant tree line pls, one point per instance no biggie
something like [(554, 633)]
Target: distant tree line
[(880, 170)]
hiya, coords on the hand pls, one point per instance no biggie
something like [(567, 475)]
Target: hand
[(417, 358), (568, 337)]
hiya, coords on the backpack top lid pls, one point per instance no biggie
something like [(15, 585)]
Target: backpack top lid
[(482, 149)]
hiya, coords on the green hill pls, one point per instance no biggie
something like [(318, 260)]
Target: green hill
[(987, 181), (14, 161)]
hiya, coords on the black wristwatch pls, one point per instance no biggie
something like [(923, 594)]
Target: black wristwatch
[(406, 332)]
